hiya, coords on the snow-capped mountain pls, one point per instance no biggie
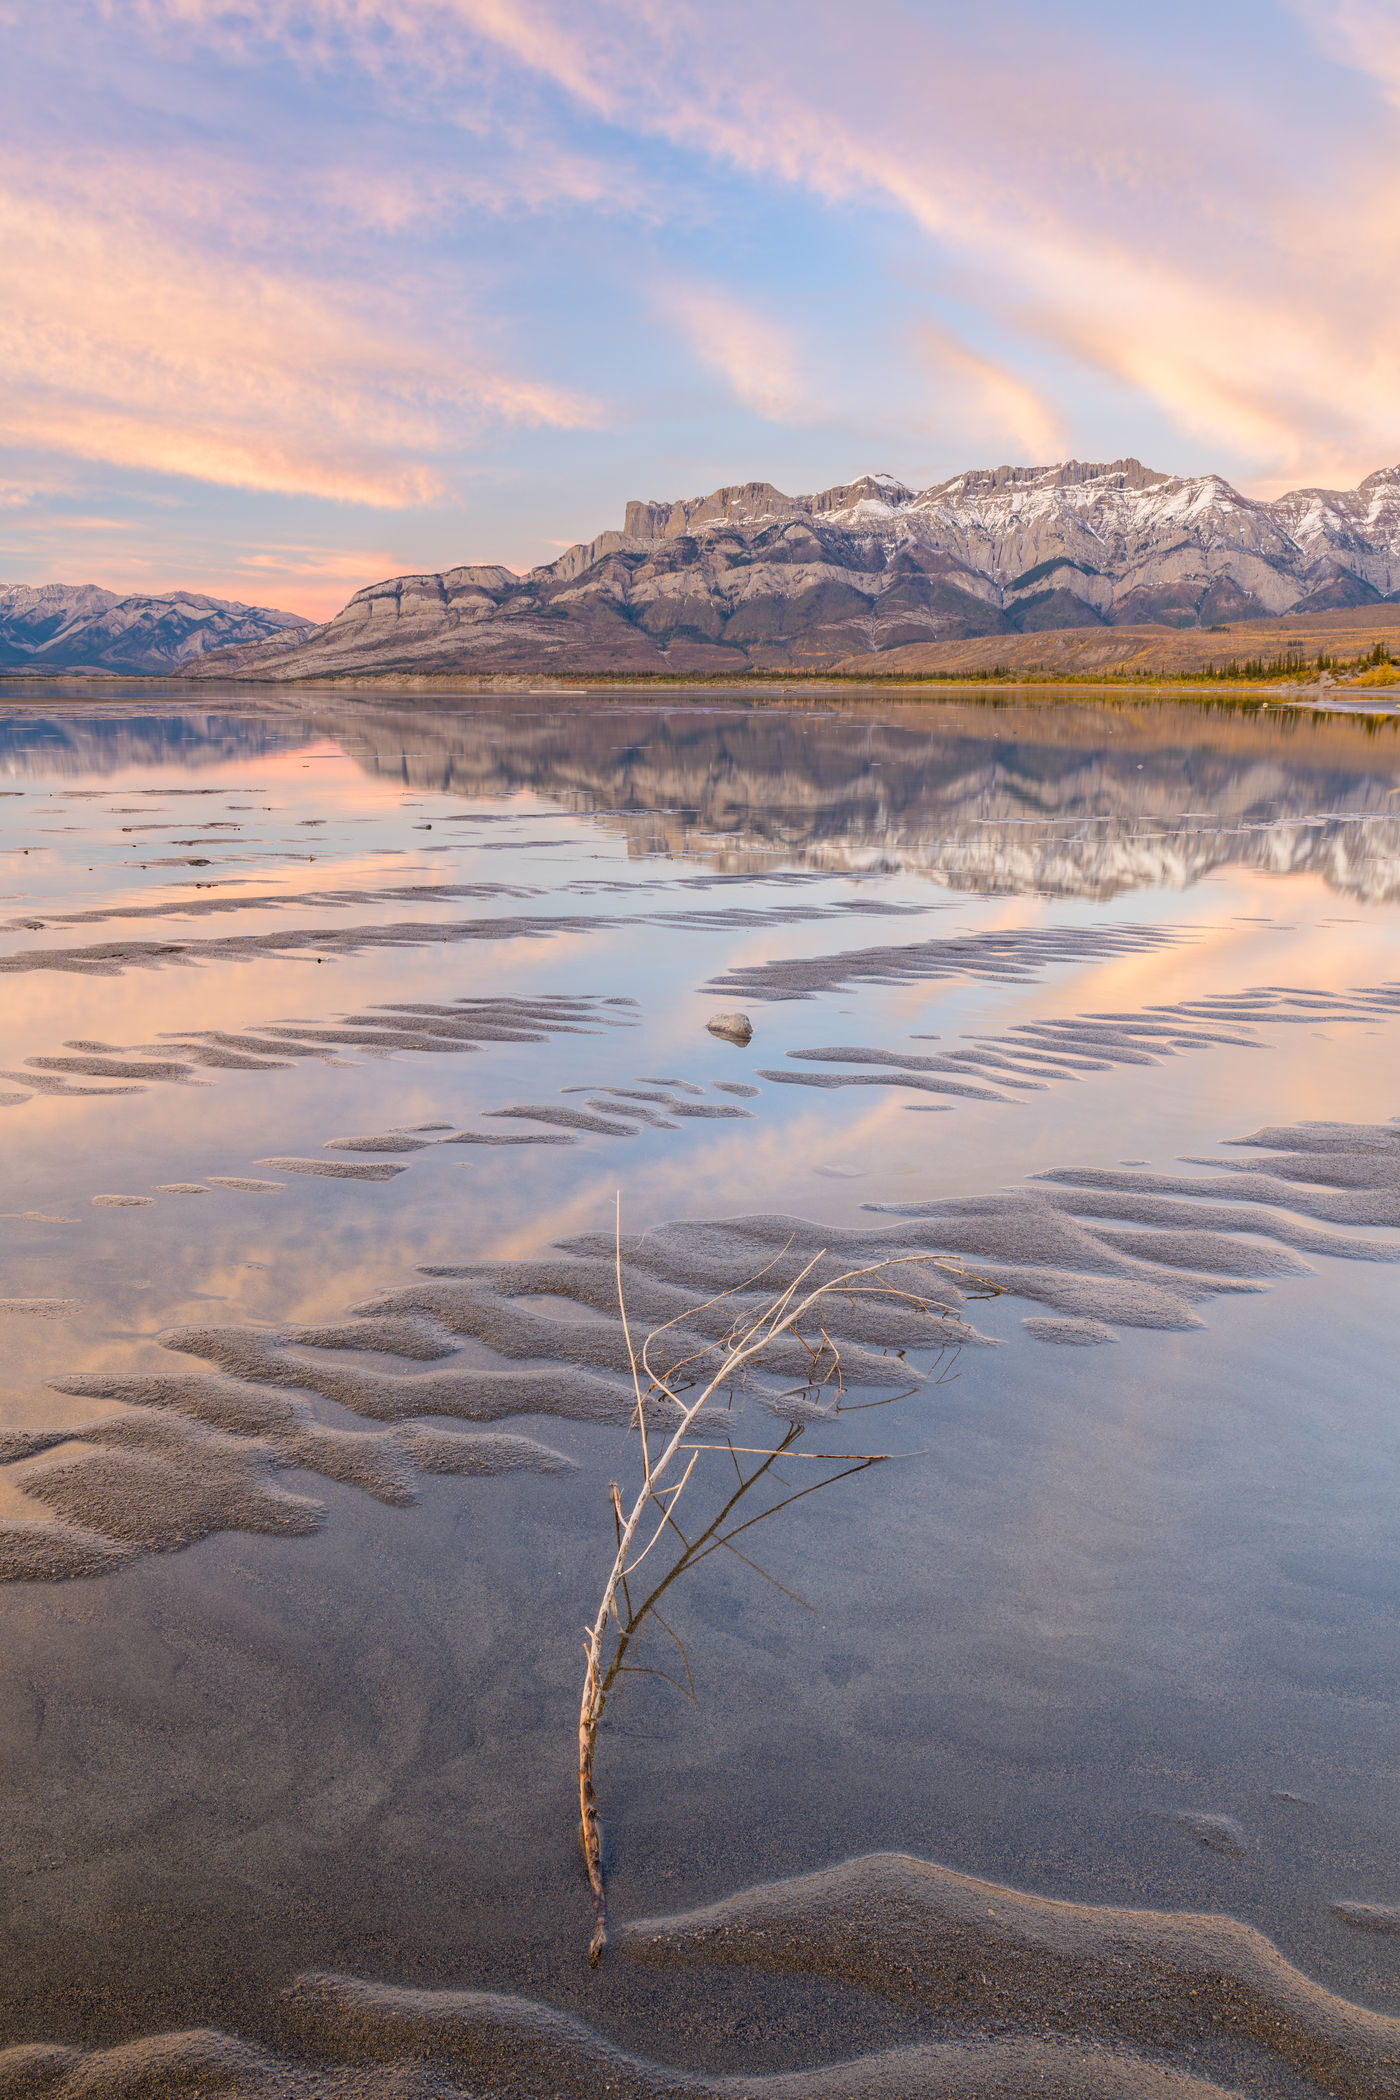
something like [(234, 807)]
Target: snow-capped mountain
[(748, 577), (80, 627)]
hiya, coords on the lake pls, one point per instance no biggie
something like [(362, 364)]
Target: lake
[(353, 1045)]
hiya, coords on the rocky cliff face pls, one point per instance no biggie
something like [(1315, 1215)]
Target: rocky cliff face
[(748, 578), (80, 627)]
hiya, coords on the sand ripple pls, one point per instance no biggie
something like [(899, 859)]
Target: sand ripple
[(1010, 957), (463, 2045), (195, 1450), (973, 1949)]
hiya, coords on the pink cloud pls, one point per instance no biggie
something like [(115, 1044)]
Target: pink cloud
[(314, 581), (1124, 228), (757, 356), (984, 401), (125, 339), (1364, 34), (1151, 232)]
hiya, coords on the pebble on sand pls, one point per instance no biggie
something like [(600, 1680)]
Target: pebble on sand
[(734, 1027)]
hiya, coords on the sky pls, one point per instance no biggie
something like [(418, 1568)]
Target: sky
[(297, 296)]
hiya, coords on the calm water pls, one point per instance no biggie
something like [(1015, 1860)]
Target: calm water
[(1102, 1586)]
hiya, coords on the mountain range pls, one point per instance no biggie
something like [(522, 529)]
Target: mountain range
[(81, 627), (750, 579)]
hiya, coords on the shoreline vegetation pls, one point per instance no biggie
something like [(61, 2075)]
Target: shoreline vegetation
[(1247, 683)]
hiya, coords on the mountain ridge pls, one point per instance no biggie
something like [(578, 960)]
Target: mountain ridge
[(748, 578), (83, 627)]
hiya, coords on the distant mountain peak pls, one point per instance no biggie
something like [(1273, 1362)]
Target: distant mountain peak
[(82, 627)]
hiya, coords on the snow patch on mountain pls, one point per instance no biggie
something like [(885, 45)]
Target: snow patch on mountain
[(750, 578), (81, 627)]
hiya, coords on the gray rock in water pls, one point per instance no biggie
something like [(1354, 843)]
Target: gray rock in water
[(735, 1028)]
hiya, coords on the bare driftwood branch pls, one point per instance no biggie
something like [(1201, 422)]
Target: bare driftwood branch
[(753, 1332)]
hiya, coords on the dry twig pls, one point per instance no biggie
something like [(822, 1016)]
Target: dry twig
[(753, 1332)]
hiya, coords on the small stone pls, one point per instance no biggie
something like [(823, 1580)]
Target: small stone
[(735, 1028)]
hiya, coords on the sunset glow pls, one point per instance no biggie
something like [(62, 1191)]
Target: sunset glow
[(292, 297)]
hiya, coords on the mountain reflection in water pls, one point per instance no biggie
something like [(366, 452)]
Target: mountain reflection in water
[(1068, 799)]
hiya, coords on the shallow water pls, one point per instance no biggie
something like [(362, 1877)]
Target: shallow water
[(1101, 1591)]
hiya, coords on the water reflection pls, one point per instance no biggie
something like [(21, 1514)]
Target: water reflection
[(1127, 1578), (1080, 802), (1074, 800), (63, 746)]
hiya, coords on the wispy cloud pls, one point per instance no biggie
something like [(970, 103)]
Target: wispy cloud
[(1182, 250), (1363, 34), (984, 402), (150, 556), (125, 340), (18, 491), (755, 355)]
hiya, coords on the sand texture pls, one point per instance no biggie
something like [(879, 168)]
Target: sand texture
[(632, 1101), (486, 1309), (516, 2046), (522, 1137), (52, 1551), (336, 1169), (1012, 957), (190, 1456), (653, 1303), (384, 1141), (1072, 1334), (919, 1080), (1032, 1055), (313, 899), (1332, 1207), (110, 958), (457, 1028), (1370, 1917), (152, 1481), (1148, 1209), (371, 2041), (964, 1947), (51, 1083), (568, 1118), (1218, 1833)]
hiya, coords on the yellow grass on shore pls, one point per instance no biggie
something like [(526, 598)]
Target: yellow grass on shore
[(1342, 638)]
